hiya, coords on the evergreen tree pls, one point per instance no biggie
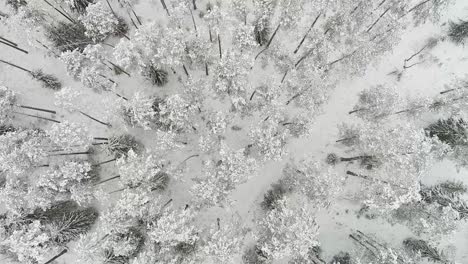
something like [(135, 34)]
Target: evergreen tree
[(458, 32), (421, 247), (451, 131)]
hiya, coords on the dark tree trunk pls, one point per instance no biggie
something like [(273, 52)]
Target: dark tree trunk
[(103, 162), (356, 158), (307, 33), (92, 118), (39, 117), (16, 66), (13, 46), (57, 256), (106, 180), (38, 109)]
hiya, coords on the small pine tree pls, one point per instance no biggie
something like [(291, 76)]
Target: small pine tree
[(341, 258), (272, 198), (122, 144), (70, 225), (80, 5), (6, 129), (458, 32), (68, 36), (156, 76), (261, 33), (16, 3), (450, 131), (419, 246)]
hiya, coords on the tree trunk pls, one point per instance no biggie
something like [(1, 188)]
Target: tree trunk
[(284, 76), (106, 180), (219, 45), (167, 203), (39, 117), (252, 95), (269, 41), (119, 68), (133, 22), (67, 17), (356, 158), (13, 46), (137, 18), (378, 19), (57, 256), (344, 139), (100, 138), (185, 70), (165, 7), (38, 109), (104, 162), (357, 110), (418, 5), (307, 33), (193, 20), (92, 118), (16, 66), (9, 41), (72, 153)]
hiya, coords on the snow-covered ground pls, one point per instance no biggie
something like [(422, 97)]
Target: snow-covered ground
[(442, 64)]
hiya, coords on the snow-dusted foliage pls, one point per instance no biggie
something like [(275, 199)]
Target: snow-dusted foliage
[(376, 103), (7, 102), (67, 136), (270, 140), (224, 241), (288, 232), (203, 111), (69, 180), (22, 150), (231, 78), (172, 228), (67, 98), (139, 112), (222, 176), (99, 21), (319, 182), (147, 171), (392, 162)]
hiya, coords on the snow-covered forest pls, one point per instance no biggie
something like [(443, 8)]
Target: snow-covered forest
[(233, 131)]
